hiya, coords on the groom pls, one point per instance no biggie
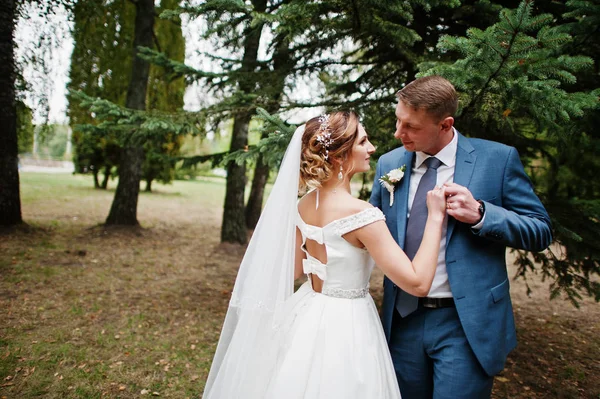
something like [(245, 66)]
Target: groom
[(451, 343)]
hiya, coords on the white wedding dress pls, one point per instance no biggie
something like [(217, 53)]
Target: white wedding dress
[(331, 345), (280, 344)]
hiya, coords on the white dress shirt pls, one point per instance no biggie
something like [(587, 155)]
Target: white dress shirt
[(445, 174)]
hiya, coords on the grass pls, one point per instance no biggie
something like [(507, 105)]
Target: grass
[(90, 312)]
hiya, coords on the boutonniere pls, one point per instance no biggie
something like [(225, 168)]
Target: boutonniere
[(390, 179)]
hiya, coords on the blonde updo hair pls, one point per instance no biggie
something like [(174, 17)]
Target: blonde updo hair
[(317, 162)]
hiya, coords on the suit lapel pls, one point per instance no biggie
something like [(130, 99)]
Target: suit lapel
[(463, 171), (401, 196)]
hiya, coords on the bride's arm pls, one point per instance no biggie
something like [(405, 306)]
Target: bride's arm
[(300, 255), (413, 277)]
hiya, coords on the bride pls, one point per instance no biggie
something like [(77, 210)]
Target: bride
[(325, 340)]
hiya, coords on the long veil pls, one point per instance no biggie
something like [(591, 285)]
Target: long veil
[(243, 362)]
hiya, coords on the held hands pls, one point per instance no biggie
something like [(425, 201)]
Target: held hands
[(460, 204), (436, 202)]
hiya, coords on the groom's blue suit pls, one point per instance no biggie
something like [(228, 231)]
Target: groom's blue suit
[(475, 260)]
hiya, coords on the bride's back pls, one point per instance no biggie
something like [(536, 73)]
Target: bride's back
[(332, 207), (318, 208)]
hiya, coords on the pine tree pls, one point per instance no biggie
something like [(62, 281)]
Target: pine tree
[(229, 21), (515, 80), (283, 65), (370, 50), (525, 79), (123, 210), (244, 84)]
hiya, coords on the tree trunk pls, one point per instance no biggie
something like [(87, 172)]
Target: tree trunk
[(257, 193), (149, 185), (95, 172), (124, 207), (283, 65), (233, 228), (10, 198), (107, 169)]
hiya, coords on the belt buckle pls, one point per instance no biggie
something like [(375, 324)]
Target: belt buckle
[(429, 303)]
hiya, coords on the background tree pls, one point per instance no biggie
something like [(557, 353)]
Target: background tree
[(130, 147), (362, 52), (571, 168), (123, 210), (283, 63), (524, 80), (233, 228), (516, 80), (100, 70), (10, 201), (381, 45), (165, 93), (236, 88), (303, 37), (104, 71)]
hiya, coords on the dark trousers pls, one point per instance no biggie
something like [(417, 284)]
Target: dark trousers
[(433, 359)]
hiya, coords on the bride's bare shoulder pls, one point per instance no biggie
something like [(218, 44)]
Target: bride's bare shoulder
[(360, 205), (330, 210), (308, 201)]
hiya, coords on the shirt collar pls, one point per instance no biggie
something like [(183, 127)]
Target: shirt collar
[(447, 154)]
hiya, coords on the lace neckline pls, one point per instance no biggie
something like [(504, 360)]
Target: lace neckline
[(336, 220)]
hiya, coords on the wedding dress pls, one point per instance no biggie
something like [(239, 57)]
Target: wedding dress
[(279, 344), (331, 344)]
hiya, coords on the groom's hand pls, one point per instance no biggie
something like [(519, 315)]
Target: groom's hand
[(461, 205)]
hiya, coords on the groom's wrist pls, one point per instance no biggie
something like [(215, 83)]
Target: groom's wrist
[(481, 210)]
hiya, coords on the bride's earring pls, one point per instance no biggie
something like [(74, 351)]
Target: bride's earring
[(341, 175)]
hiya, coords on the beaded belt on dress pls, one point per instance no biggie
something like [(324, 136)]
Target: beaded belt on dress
[(346, 294)]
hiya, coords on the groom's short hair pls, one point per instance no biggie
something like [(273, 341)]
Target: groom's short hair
[(433, 93)]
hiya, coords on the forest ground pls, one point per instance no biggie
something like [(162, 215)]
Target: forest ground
[(90, 312)]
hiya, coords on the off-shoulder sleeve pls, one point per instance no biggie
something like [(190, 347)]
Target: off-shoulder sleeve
[(358, 220)]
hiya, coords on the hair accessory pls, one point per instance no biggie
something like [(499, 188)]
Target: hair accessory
[(324, 134)]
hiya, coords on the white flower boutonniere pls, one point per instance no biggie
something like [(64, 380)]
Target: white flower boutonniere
[(390, 179)]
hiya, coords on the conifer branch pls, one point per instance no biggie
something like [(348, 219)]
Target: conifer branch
[(503, 59)]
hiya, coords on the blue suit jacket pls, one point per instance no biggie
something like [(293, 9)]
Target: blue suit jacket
[(475, 261)]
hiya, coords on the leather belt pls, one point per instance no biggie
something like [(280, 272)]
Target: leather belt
[(436, 303)]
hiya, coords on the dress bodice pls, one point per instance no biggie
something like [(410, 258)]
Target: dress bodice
[(348, 268)]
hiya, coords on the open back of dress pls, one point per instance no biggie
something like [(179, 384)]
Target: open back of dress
[(347, 269)]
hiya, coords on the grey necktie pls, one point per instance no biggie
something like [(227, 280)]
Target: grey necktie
[(406, 303)]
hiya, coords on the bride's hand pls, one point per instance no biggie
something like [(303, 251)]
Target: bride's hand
[(436, 202)]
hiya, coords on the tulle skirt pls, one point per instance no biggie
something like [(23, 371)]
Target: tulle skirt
[(328, 347)]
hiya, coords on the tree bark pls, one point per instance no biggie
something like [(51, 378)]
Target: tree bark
[(234, 221), (107, 169), (233, 228), (257, 193), (96, 181), (10, 197), (124, 207), (282, 66)]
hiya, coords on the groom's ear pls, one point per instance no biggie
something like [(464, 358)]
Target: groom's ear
[(446, 124)]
